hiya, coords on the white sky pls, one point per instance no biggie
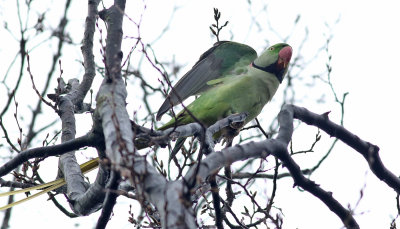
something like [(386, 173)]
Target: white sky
[(365, 62)]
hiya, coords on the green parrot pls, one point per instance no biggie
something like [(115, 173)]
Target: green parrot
[(230, 79)]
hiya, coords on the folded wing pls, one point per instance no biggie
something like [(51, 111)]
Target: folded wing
[(215, 63)]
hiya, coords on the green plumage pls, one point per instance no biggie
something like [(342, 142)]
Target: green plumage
[(236, 94), (232, 80)]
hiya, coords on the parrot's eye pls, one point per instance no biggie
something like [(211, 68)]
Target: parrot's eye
[(271, 48)]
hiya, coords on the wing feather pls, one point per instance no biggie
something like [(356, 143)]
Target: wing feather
[(215, 63)]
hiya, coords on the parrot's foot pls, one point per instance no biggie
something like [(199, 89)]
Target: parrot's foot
[(236, 125), (231, 132)]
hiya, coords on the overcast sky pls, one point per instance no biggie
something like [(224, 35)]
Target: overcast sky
[(365, 60)]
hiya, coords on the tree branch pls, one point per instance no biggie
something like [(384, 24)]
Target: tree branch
[(369, 151), (54, 150), (278, 148)]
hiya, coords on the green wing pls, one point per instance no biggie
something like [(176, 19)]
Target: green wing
[(215, 63)]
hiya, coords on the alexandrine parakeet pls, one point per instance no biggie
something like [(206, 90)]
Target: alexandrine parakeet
[(230, 79)]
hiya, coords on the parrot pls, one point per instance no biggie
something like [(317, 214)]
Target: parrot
[(229, 79)]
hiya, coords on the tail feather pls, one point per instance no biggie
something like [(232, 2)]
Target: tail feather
[(50, 186), (178, 145)]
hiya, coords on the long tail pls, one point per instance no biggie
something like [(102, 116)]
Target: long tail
[(47, 187), (178, 145)]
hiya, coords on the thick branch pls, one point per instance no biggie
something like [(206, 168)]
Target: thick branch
[(369, 151), (111, 116), (83, 199), (87, 51), (278, 148)]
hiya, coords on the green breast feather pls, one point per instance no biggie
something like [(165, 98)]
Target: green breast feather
[(238, 85)]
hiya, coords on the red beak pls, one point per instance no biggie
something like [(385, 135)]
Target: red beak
[(284, 56)]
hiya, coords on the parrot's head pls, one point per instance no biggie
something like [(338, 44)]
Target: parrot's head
[(275, 60)]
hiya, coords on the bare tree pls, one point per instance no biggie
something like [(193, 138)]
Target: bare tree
[(201, 183)]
